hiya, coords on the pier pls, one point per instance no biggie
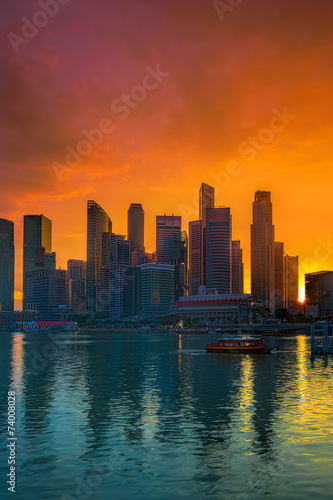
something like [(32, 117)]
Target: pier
[(321, 343)]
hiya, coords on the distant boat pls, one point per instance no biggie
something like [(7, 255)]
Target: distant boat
[(244, 344)]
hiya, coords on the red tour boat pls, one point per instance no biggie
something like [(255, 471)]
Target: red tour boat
[(244, 344)]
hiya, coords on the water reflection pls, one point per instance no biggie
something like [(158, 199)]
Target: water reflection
[(149, 416)]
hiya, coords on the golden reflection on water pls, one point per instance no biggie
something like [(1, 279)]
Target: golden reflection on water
[(179, 352), (246, 394), (151, 402), (17, 360), (305, 414), (302, 362), (241, 428)]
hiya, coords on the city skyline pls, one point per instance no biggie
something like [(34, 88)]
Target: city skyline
[(230, 102), (93, 203)]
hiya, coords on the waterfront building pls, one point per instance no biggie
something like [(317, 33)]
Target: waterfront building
[(166, 225), (291, 283), (237, 268), (176, 254), (262, 250), (132, 291), (218, 249), (319, 293), (194, 271), (216, 307), (46, 292), (157, 288), (99, 228), (206, 200), (15, 320), (135, 228), (76, 285), (37, 243), (7, 263), (119, 262), (279, 262)]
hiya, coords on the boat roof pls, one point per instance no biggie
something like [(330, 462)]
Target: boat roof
[(240, 338)]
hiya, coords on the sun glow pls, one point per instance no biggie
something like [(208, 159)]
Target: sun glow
[(301, 294)]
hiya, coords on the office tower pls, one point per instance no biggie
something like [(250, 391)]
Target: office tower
[(76, 285), (206, 200), (319, 292), (45, 292), (7, 260), (157, 288), (279, 275), (166, 225), (119, 262), (135, 228), (138, 258), (262, 250), (98, 224), (37, 242), (237, 268), (132, 291), (218, 249), (103, 284), (291, 283), (194, 268), (175, 253)]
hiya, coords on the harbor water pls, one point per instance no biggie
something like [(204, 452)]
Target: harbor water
[(103, 415)]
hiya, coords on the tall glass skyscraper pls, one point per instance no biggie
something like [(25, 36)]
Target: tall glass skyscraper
[(195, 254), (176, 254), (166, 225), (7, 257), (135, 228), (98, 223), (262, 250), (37, 242), (206, 200), (237, 274), (218, 249), (119, 263)]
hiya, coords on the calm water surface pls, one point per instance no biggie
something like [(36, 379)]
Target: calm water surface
[(152, 416)]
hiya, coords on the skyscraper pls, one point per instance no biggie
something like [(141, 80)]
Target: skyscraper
[(135, 228), (319, 293), (98, 222), (262, 250), (157, 288), (119, 263), (37, 242), (176, 254), (7, 257), (45, 292), (76, 283), (291, 283), (237, 268), (218, 249), (194, 269), (166, 225), (279, 275), (206, 200)]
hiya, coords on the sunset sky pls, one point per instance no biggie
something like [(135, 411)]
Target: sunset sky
[(225, 80)]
